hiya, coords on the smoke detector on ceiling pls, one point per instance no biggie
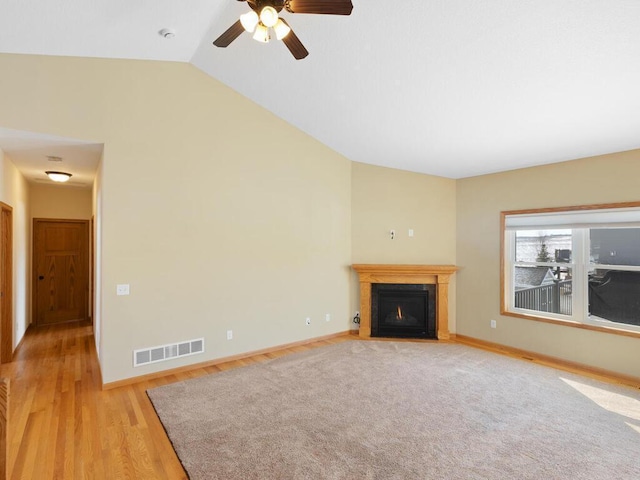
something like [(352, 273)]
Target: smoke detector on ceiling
[(167, 33)]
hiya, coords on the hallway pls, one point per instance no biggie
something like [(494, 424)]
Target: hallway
[(63, 426)]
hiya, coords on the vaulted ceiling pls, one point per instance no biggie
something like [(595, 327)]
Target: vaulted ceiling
[(446, 87)]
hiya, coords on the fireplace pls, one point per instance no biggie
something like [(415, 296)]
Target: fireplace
[(403, 311), (432, 279)]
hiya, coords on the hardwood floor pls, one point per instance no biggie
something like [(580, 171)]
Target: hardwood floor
[(62, 425)]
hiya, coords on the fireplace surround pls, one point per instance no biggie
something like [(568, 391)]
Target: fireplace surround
[(378, 274)]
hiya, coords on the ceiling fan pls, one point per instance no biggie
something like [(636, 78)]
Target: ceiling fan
[(264, 15)]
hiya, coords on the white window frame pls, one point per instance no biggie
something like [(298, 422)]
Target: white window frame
[(577, 311), (579, 220)]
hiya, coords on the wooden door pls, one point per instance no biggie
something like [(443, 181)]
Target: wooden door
[(61, 268), (6, 283)]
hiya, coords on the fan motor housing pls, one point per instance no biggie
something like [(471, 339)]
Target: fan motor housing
[(258, 5)]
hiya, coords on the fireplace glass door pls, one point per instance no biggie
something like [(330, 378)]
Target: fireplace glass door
[(403, 311)]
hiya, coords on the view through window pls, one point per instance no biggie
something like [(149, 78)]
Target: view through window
[(579, 265)]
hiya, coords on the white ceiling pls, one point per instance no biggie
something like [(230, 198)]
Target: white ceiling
[(30, 153), (446, 87)]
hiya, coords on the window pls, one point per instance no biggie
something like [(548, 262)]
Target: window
[(577, 265)]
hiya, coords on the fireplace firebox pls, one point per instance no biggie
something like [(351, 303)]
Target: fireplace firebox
[(403, 310)]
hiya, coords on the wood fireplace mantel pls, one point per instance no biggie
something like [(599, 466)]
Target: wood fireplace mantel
[(406, 274)]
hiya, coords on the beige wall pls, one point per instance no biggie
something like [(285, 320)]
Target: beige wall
[(217, 213), (221, 216), (14, 191), (59, 201), (385, 199), (605, 179)]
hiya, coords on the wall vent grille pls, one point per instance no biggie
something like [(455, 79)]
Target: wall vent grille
[(161, 353)]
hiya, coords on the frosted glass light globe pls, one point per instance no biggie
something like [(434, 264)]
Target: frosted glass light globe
[(268, 16)]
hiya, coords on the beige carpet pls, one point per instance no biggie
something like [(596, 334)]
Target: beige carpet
[(399, 410)]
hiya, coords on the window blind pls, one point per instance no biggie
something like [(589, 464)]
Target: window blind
[(603, 218)]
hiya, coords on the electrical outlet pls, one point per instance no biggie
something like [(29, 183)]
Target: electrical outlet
[(122, 289), (493, 324), (327, 317), (229, 334), (308, 321)]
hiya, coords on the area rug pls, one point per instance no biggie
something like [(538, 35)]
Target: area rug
[(401, 410)]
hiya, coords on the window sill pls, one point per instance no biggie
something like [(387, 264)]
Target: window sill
[(571, 323)]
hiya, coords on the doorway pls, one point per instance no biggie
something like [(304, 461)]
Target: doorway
[(61, 271), (6, 283)]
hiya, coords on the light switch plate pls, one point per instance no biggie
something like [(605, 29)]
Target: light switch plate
[(122, 289)]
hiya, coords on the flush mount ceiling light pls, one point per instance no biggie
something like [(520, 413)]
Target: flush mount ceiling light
[(264, 15), (60, 177)]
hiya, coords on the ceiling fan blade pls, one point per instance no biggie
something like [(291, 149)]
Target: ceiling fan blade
[(230, 35), (327, 7), (294, 44)]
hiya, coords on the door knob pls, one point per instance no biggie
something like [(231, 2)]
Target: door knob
[(41, 277)]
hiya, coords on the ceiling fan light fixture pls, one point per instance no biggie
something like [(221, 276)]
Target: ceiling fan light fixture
[(281, 29), (261, 34), (249, 21), (269, 16), (264, 15), (60, 177)]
